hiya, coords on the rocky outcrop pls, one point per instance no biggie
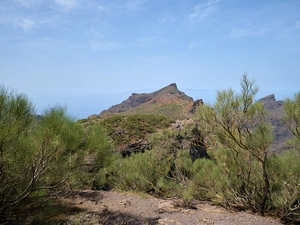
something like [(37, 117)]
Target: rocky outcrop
[(272, 104), (196, 103), (137, 147)]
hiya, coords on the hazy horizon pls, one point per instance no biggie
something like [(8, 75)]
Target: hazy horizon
[(96, 103)]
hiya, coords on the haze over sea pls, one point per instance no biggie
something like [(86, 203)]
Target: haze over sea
[(82, 106)]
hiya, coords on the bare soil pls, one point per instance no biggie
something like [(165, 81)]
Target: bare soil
[(105, 207)]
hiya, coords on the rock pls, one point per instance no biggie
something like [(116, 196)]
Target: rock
[(198, 150), (196, 103), (136, 147), (125, 202)]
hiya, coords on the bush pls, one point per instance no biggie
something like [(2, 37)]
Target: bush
[(97, 143), (198, 177), (139, 172), (285, 185), (98, 156), (292, 119), (124, 128), (37, 156), (236, 128)]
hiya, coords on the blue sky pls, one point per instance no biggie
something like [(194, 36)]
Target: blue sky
[(91, 54)]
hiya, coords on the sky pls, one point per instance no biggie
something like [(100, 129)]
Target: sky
[(91, 54)]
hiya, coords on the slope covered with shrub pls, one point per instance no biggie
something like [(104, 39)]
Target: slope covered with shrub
[(241, 174), (124, 129), (44, 158)]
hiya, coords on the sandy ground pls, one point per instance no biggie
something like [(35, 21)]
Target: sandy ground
[(101, 207)]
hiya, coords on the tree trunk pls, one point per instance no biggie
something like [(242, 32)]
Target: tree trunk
[(266, 187)]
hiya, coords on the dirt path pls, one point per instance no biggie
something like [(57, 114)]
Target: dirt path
[(99, 207)]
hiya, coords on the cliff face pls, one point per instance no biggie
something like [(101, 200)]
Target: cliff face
[(169, 101)]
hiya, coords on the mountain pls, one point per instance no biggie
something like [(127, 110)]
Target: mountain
[(168, 101), (280, 130), (171, 102)]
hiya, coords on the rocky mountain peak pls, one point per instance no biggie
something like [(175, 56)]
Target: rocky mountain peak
[(268, 98), (271, 103), (159, 101)]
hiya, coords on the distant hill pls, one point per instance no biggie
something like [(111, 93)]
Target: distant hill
[(168, 101), (171, 102), (280, 130)]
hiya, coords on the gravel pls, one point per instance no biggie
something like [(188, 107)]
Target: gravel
[(102, 207)]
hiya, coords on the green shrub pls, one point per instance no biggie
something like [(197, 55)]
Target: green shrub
[(143, 172), (292, 119), (138, 172), (199, 178), (97, 156), (98, 143), (236, 128), (124, 128), (37, 156), (285, 185)]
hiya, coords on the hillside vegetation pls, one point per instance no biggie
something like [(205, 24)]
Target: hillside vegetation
[(43, 159), (125, 129)]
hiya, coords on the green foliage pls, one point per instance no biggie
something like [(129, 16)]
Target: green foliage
[(97, 143), (199, 178), (172, 109), (145, 172), (41, 157), (292, 119), (36, 156), (163, 139), (241, 179), (236, 127), (289, 197), (58, 140), (242, 173), (122, 129), (140, 172), (16, 116), (98, 156), (285, 186)]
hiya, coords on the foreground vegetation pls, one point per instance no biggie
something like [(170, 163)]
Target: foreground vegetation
[(42, 158), (40, 155)]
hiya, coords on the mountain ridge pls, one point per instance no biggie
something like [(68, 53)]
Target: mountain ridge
[(172, 102), (169, 101)]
